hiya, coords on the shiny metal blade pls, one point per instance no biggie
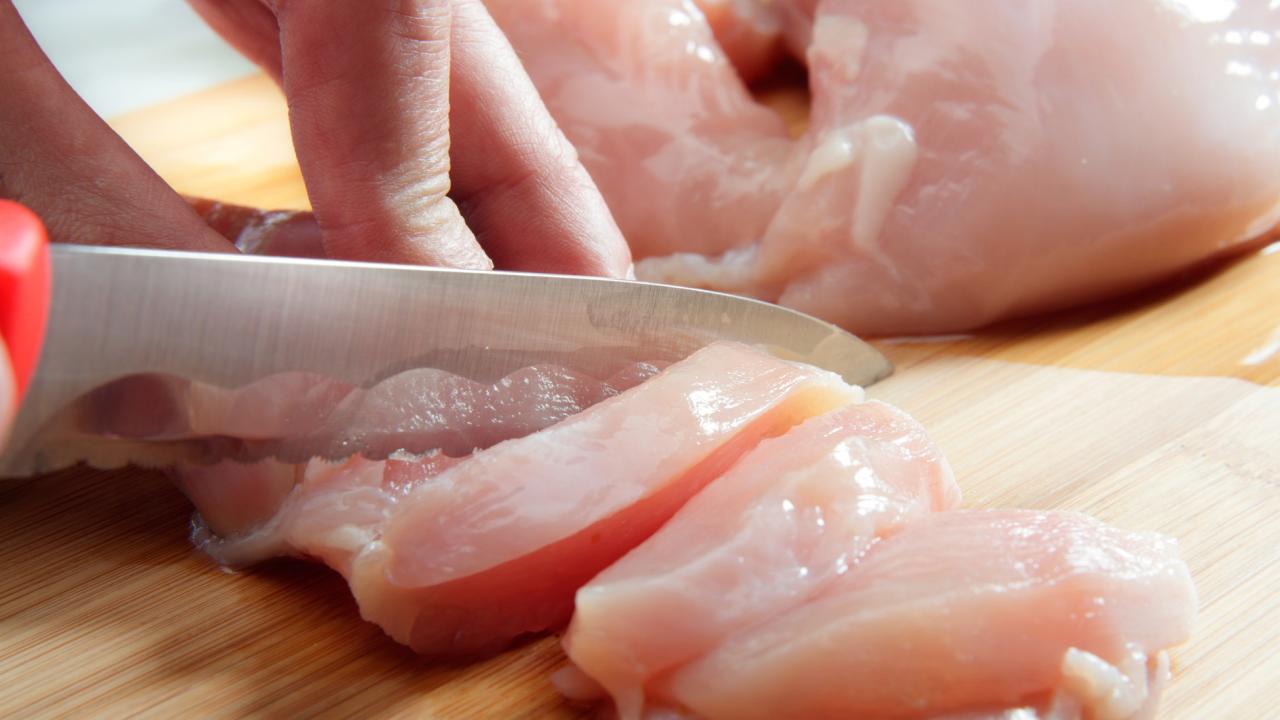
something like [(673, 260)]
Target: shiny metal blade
[(228, 320)]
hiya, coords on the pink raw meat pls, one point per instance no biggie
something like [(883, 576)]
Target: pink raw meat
[(965, 162), (461, 557), (297, 416), (792, 516), (967, 610), (682, 153)]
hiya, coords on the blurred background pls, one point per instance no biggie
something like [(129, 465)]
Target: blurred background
[(121, 55)]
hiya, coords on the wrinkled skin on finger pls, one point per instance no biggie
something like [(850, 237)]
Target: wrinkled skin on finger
[(415, 115), (61, 160)]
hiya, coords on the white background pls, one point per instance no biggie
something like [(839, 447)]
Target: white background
[(121, 55)]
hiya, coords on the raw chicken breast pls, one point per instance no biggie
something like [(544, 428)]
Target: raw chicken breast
[(788, 519), (253, 511), (235, 498), (686, 159), (965, 162), (461, 556), (963, 611), (297, 416), (325, 510), (972, 161)]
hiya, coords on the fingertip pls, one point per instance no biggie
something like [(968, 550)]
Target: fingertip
[(614, 256), (460, 255), (621, 264), (600, 240), (439, 236), (431, 235)]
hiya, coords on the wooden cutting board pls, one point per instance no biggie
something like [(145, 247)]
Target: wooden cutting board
[(106, 611)]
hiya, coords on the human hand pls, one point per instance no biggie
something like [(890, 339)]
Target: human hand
[(369, 87)]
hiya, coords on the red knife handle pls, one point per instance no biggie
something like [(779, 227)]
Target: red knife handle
[(24, 290)]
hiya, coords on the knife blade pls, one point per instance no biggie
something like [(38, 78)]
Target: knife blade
[(229, 320)]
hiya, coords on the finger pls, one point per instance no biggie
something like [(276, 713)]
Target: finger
[(246, 25), (519, 182), (62, 161), (368, 90)]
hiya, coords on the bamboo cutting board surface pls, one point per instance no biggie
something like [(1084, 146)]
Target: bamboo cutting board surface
[(105, 610)]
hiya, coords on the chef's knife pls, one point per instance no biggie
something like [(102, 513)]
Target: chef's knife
[(228, 320)]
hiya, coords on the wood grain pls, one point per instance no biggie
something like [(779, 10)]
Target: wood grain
[(106, 611)]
